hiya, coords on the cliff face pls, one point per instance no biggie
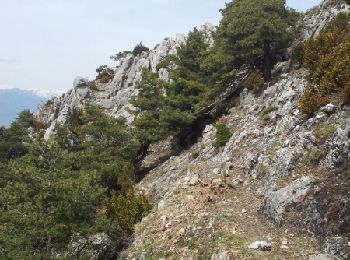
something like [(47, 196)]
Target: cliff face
[(113, 96), (277, 168)]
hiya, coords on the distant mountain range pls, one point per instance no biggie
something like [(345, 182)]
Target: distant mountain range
[(13, 101)]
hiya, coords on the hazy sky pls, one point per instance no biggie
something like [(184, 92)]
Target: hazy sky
[(46, 43)]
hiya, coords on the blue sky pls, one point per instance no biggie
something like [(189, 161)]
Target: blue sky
[(46, 43)]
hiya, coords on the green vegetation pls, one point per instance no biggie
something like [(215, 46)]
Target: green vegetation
[(249, 32), (312, 100), (72, 184), (81, 181), (120, 55), (313, 156), (267, 110), (255, 30), (223, 241), (254, 82), (139, 48), (92, 85), (323, 131), (223, 135), (165, 62), (328, 59), (104, 74), (163, 108)]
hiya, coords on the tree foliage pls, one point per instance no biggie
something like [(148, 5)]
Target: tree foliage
[(54, 190), (255, 30), (328, 59), (164, 108)]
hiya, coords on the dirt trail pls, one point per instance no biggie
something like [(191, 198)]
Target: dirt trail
[(210, 217)]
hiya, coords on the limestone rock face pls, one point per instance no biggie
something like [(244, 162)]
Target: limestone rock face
[(289, 176), (318, 17), (113, 96), (275, 202)]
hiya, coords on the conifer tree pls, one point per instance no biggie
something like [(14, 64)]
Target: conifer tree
[(253, 30)]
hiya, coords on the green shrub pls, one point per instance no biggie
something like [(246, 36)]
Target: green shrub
[(139, 48), (298, 53), (223, 135), (92, 85), (120, 55), (268, 110), (104, 74), (128, 208), (312, 100), (314, 156), (328, 59), (164, 63), (254, 82), (323, 131)]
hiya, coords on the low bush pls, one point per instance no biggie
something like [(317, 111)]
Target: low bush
[(312, 100), (139, 48), (328, 59), (164, 63), (323, 131), (129, 208), (223, 135), (254, 82), (268, 110), (104, 74), (92, 85)]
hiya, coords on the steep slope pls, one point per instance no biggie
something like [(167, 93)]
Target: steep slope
[(281, 179), (267, 171), (113, 96)]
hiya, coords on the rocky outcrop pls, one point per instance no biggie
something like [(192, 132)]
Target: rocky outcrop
[(278, 166), (271, 155), (113, 96), (318, 17), (275, 203)]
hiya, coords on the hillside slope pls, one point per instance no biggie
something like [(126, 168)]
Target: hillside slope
[(281, 178), (262, 175)]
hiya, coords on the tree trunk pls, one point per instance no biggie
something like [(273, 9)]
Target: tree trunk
[(267, 63)]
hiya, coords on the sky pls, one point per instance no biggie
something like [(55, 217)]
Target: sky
[(45, 44)]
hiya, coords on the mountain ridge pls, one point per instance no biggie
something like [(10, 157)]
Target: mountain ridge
[(13, 101), (272, 181)]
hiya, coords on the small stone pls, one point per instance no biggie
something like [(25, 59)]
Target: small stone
[(194, 180), (181, 231), (190, 197), (216, 171), (329, 109), (234, 230), (322, 257), (244, 211), (220, 256), (164, 219), (260, 245), (284, 247), (161, 205), (217, 183), (320, 115)]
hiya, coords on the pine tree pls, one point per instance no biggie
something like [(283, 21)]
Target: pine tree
[(190, 90), (253, 30)]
